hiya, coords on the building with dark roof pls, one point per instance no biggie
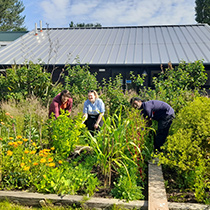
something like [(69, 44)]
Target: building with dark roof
[(113, 50), (6, 37)]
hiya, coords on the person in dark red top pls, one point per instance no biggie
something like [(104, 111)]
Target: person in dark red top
[(160, 111), (62, 101)]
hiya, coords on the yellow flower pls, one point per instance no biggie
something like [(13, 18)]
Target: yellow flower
[(11, 138), (52, 148), (29, 161), (19, 137), (20, 142), (26, 151), (33, 152), (15, 144), (60, 161), (43, 160), (26, 168), (45, 176), (22, 164), (46, 150), (10, 143), (50, 160), (52, 164), (23, 158), (9, 153), (35, 164), (34, 144), (25, 140)]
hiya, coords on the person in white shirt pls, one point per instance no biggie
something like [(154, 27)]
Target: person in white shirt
[(93, 111)]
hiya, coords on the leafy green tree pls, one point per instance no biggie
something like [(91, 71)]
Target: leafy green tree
[(202, 11), (84, 25), (10, 15)]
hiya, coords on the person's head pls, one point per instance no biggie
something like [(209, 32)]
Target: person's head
[(92, 96), (65, 95), (136, 102)]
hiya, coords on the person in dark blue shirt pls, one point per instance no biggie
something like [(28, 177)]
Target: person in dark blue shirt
[(157, 110)]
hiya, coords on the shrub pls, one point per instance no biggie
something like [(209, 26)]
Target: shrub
[(178, 85), (112, 95), (65, 132), (187, 149), (79, 81), (25, 81)]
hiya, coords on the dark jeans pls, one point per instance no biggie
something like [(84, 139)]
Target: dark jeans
[(162, 131), (91, 121)]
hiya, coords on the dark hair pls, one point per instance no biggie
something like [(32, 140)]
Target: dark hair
[(134, 99), (65, 93)]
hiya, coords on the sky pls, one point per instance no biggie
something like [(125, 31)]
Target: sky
[(60, 13)]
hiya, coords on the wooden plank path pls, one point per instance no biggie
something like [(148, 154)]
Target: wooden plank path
[(157, 199)]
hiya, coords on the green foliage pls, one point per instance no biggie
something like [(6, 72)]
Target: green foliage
[(84, 25), (202, 10), (124, 190), (65, 132), (178, 85), (25, 81), (137, 79), (26, 118), (113, 95), (116, 149), (68, 179), (185, 76), (10, 15), (188, 148), (79, 81)]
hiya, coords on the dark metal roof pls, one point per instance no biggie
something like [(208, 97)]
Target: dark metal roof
[(11, 35), (112, 45)]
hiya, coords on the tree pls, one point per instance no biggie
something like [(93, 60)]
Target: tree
[(10, 18), (202, 10), (84, 25)]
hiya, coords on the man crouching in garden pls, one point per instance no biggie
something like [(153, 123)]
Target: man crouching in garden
[(160, 111)]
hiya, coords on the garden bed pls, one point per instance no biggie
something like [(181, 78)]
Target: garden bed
[(174, 192)]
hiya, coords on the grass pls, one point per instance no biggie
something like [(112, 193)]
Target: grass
[(6, 205)]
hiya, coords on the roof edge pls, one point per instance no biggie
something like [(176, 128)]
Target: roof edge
[(111, 27)]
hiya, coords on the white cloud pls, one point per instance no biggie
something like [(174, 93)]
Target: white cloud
[(55, 11), (59, 13)]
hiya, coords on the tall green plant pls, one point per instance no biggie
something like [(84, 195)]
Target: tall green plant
[(65, 132), (79, 81), (113, 95), (113, 147)]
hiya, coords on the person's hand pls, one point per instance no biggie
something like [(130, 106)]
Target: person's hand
[(96, 126)]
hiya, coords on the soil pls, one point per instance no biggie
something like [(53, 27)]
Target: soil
[(174, 194)]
